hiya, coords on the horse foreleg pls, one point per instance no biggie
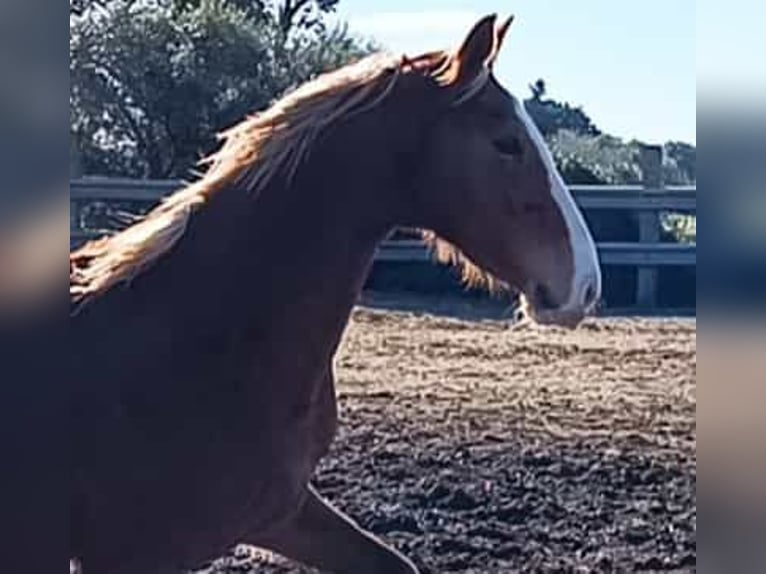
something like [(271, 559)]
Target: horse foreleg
[(323, 537)]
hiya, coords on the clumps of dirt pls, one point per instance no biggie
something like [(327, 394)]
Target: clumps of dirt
[(478, 448)]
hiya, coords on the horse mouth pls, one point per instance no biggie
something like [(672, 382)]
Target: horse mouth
[(558, 317)]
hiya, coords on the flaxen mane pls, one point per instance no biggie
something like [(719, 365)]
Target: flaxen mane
[(253, 153)]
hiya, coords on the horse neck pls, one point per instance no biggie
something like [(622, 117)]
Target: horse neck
[(289, 264)]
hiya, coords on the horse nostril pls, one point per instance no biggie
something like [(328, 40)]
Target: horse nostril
[(543, 298)]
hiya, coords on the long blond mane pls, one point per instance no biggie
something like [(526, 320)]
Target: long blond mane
[(253, 152)]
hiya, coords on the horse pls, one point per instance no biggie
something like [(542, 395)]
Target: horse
[(201, 387)]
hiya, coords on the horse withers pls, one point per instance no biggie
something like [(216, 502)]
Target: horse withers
[(201, 387)]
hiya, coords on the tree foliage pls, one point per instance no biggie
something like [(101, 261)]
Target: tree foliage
[(153, 81), (595, 159), (552, 116), (585, 155), (680, 165)]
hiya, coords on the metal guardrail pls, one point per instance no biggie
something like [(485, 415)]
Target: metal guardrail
[(610, 253), (636, 198), (631, 198), (647, 200)]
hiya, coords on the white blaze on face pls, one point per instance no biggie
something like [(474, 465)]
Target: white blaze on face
[(587, 274)]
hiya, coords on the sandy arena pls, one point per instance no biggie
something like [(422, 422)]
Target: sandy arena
[(481, 447)]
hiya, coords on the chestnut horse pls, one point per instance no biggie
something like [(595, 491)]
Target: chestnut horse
[(202, 392)]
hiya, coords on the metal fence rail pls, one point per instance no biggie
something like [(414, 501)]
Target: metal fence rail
[(648, 200)]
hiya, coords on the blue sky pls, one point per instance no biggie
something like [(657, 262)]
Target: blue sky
[(630, 65), (730, 52)]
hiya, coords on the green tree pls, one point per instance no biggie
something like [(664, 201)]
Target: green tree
[(586, 156), (595, 159), (286, 14), (152, 82), (680, 164), (552, 116)]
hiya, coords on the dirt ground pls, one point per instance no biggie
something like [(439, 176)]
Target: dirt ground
[(486, 447)]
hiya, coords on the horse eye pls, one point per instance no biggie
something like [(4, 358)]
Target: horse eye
[(508, 146)]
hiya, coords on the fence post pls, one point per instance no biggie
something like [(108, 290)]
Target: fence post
[(75, 160), (649, 225)]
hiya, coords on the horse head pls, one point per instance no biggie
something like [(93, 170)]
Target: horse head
[(489, 189)]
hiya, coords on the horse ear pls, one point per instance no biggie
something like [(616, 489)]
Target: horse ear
[(500, 35), (477, 48), (502, 31)]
